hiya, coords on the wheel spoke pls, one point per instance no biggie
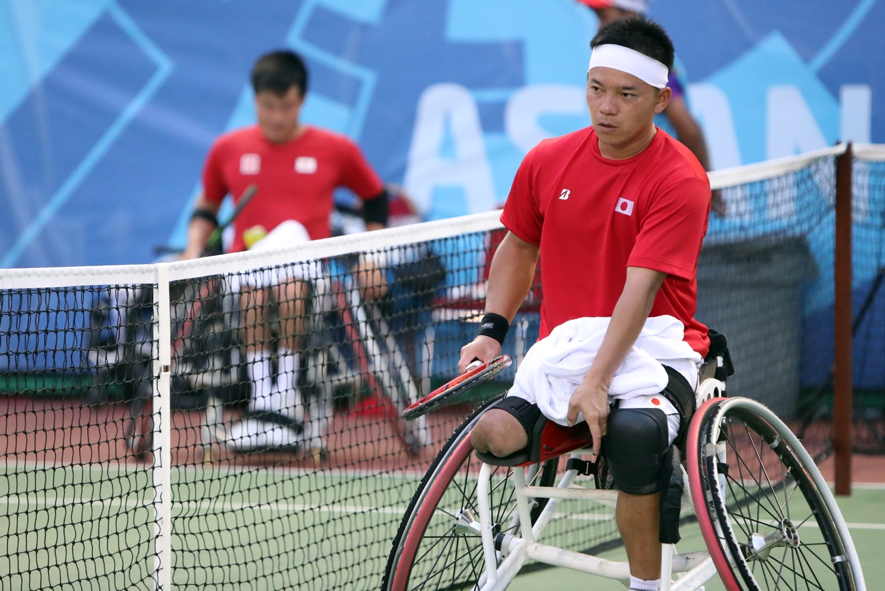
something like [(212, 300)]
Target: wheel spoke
[(743, 464)]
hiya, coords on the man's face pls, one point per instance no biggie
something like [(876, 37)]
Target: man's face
[(278, 114), (622, 110)]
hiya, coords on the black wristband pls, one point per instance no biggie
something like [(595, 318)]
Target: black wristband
[(203, 214), (495, 326), (376, 209)]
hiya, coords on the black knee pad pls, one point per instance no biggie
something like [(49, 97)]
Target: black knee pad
[(635, 444)]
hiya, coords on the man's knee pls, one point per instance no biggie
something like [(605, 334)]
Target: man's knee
[(635, 445), (499, 433), (370, 278)]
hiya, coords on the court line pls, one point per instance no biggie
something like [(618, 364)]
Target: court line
[(215, 507), (124, 468), (864, 485), (218, 507), (867, 526)]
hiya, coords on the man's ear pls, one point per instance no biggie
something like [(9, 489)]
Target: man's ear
[(663, 99)]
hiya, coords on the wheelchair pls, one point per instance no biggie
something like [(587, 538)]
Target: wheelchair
[(475, 520), (348, 346), (207, 364)]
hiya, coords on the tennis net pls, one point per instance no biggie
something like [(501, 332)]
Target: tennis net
[(233, 421)]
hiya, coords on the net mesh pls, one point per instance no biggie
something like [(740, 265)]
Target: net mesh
[(290, 466), (76, 506), (868, 305), (765, 280)]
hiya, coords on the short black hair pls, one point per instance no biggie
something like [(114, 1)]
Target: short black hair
[(639, 34), (278, 71)]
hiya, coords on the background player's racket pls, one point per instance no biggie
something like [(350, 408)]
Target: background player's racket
[(213, 243), (459, 390)]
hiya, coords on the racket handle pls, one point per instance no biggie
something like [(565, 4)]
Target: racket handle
[(473, 365)]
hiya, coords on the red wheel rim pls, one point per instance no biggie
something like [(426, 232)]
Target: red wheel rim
[(410, 547)]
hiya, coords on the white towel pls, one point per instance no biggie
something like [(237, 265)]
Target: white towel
[(555, 366), (286, 234)]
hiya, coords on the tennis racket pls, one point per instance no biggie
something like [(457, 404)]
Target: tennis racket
[(213, 243), (459, 390)]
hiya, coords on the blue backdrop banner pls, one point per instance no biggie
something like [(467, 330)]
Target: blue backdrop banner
[(107, 108)]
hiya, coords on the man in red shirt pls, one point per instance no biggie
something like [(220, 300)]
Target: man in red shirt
[(295, 168), (617, 213)]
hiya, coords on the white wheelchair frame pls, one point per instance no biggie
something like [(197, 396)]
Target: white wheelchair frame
[(697, 567)]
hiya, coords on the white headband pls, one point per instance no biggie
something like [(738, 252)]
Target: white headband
[(618, 57)]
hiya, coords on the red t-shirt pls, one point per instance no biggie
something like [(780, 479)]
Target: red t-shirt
[(594, 217), (295, 180)]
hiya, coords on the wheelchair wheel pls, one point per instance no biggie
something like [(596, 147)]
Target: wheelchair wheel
[(765, 512), (438, 545)]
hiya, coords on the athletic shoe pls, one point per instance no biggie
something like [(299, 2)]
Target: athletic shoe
[(261, 431)]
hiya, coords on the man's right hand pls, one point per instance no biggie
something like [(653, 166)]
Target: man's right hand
[(482, 348)]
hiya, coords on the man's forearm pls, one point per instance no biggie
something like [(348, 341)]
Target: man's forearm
[(628, 319), (510, 278), (698, 147), (197, 235)]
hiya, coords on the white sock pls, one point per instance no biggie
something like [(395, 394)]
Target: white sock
[(258, 365), (643, 585), (289, 368), (289, 365)]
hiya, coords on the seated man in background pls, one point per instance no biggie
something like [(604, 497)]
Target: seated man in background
[(296, 168)]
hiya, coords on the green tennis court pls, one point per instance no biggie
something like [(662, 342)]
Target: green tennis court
[(231, 517), (864, 511)]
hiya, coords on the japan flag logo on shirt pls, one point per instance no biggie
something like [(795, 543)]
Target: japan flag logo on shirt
[(305, 165), (250, 164), (624, 206)]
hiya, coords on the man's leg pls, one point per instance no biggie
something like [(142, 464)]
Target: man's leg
[(638, 522), (503, 429), (255, 336), (270, 422), (499, 433), (292, 297), (370, 278), (635, 444)]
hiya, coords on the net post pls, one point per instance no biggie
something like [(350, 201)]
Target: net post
[(162, 411), (843, 388)]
